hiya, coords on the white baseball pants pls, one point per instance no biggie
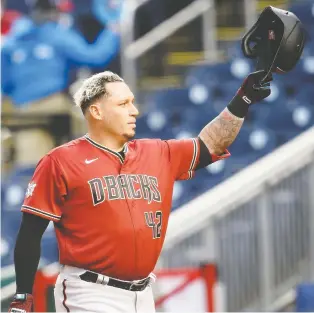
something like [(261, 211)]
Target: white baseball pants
[(75, 295)]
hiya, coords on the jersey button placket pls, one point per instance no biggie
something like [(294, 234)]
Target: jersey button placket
[(130, 203)]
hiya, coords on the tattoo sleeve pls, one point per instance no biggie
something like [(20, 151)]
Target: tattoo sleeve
[(221, 132)]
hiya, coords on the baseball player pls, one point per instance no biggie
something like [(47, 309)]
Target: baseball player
[(109, 198)]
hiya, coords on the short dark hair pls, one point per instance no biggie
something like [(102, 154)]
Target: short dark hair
[(94, 88)]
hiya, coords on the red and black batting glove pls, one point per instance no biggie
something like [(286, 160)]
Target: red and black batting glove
[(252, 90), (22, 303)]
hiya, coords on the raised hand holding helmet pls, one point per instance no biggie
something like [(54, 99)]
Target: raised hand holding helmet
[(250, 92)]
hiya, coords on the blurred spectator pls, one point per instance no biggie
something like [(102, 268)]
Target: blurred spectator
[(90, 17), (108, 12), (81, 7), (35, 70), (85, 21), (44, 53)]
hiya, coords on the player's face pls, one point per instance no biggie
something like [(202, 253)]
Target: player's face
[(118, 111)]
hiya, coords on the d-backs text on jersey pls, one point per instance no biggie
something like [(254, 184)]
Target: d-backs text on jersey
[(135, 186)]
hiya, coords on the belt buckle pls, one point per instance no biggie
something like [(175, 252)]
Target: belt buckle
[(131, 287), (143, 285)]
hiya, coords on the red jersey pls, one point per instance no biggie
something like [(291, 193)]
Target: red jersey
[(110, 213)]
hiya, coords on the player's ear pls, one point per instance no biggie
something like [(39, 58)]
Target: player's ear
[(95, 111)]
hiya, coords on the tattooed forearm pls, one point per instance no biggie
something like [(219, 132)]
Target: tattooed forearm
[(221, 132)]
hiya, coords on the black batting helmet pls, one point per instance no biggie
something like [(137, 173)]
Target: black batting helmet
[(276, 41)]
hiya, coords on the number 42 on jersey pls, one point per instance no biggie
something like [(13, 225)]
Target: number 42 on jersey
[(154, 220)]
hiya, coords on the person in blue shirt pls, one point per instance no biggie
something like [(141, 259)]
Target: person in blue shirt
[(36, 59), (107, 11)]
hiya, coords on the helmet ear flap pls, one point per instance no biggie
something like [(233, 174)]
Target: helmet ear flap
[(249, 42)]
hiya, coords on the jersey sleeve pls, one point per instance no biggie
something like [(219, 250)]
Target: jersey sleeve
[(184, 155), (46, 191)]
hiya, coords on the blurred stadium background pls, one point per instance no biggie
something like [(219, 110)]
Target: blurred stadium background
[(241, 236)]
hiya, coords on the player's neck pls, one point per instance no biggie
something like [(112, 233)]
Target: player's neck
[(106, 140)]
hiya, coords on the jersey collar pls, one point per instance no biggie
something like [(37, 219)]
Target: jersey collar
[(99, 146)]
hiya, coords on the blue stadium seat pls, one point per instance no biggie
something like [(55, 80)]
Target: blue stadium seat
[(193, 121), (168, 100), (223, 94), (200, 94), (182, 193), (234, 50), (14, 187), (156, 124), (13, 191), (302, 73), (227, 90), (257, 112), (221, 72), (212, 175), (172, 102), (7, 251), (203, 184), (304, 10), (219, 171), (278, 92), (308, 48), (163, 135), (241, 67), (213, 74), (290, 122), (304, 95), (175, 109), (308, 68), (238, 163), (198, 74), (10, 224), (253, 142), (152, 121)]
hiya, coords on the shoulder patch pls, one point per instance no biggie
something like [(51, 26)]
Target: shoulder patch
[(30, 189)]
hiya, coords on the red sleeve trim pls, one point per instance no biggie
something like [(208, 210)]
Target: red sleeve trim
[(49, 216), (225, 155)]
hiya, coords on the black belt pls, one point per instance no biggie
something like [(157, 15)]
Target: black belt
[(132, 286)]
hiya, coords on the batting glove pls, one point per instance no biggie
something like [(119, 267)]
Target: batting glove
[(22, 303), (251, 91)]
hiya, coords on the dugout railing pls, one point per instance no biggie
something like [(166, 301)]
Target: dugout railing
[(257, 227)]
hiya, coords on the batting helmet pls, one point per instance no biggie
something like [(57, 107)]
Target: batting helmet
[(276, 41)]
